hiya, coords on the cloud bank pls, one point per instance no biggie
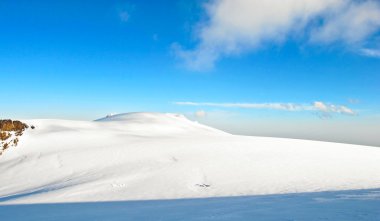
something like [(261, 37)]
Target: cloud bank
[(322, 108), (200, 113), (238, 26)]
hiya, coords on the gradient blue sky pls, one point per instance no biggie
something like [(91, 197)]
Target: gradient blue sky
[(85, 59)]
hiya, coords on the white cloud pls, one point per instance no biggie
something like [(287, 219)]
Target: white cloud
[(318, 106), (351, 23), (237, 26), (331, 108)]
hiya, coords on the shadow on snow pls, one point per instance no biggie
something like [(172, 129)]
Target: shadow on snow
[(336, 205)]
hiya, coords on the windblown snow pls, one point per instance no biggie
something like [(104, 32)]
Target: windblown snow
[(166, 156)]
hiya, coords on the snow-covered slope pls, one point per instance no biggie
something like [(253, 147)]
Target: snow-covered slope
[(161, 156), (157, 124)]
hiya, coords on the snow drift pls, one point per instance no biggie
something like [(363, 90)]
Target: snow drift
[(162, 156)]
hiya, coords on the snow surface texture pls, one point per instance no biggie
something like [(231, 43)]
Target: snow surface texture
[(166, 156)]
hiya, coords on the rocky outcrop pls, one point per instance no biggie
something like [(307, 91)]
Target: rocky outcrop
[(4, 135), (10, 131), (10, 125)]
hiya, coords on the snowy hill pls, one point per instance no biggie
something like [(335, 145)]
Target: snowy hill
[(157, 123), (166, 156)]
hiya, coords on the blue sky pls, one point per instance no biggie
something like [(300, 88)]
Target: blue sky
[(85, 59)]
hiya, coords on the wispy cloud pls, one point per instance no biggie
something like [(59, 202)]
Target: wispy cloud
[(371, 52), (332, 108), (274, 106), (237, 26), (353, 101), (124, 16), (125, 11), (324, 108)]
